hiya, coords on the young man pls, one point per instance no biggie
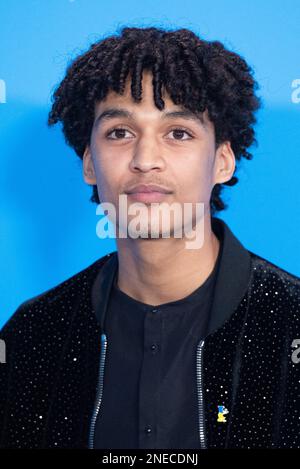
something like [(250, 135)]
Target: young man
[(156, 345)]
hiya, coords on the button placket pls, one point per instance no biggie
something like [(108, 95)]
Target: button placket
[(150, 379)]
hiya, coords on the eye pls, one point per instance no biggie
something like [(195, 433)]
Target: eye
[(179, 131), (119, 132)]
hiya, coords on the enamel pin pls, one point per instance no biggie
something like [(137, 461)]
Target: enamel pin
[(222, 411)]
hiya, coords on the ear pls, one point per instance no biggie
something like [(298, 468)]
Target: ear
[(224, 163), (89, 175)]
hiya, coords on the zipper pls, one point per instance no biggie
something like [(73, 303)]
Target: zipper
[(99, 390), (201, 412)]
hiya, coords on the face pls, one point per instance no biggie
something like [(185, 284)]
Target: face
[(143, 145)]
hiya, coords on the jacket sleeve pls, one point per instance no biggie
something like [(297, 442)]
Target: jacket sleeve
[(8, 344), (289, 431)]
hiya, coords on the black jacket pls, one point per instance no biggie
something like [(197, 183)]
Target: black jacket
[(52, 381)]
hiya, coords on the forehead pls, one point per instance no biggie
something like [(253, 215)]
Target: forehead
[(146, 91), (115, 105)]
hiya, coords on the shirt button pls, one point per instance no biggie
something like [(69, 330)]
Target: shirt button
[(154, 347), (148, 430), (154, 310)]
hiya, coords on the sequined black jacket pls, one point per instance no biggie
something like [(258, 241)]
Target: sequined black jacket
[(52, 380)]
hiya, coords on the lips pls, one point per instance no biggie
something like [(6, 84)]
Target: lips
[(148, 188)]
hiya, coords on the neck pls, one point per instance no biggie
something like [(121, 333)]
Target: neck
[(157, 271)]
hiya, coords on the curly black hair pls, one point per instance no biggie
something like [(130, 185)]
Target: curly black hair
[(197, 74)]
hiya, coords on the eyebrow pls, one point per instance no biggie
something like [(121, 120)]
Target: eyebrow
[(112, 113)]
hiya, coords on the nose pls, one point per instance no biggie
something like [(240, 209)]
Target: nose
[(147, 156)]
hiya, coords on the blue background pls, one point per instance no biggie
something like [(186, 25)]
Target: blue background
[(47, 224)]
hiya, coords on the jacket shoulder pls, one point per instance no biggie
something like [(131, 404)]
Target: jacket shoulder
[(279, 285), (267, 268), (64, 291)]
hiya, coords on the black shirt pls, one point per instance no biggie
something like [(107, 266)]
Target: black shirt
[(150, 396)]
